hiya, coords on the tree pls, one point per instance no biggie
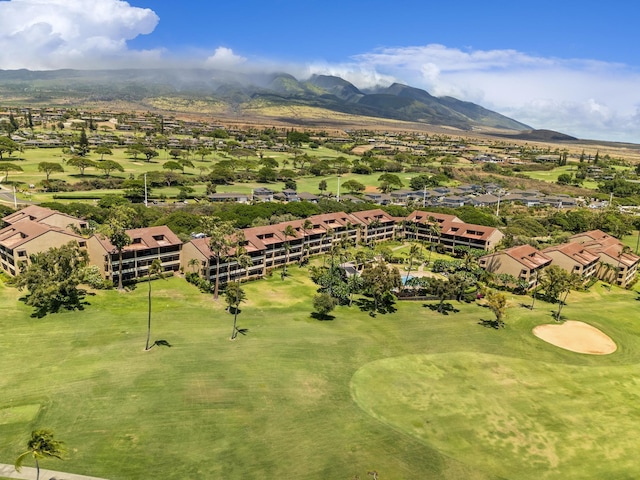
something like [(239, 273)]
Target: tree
[(184, 162), (52, 278), (553, 282), (149, 153), (234, 296), (306, 226), (83, 143), (266, 175), (322, 185), (50, 167), (41, 445), (172, 165), (219, 233), (564, 179), (115, 230), (289, 231), (414, 251), (353, 186), (81, 163), (573, 282), (7, 167), (103, 150), (7, 146), (108, 166), (434, 231), (194, 263), (497, 303), (323, 304), (388, 182), (378, 280), (154, 269)]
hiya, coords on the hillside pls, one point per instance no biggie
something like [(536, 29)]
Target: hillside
[(233, 92)]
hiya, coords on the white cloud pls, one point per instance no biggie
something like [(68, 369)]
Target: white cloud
[(224, 59), (582, 97), (47, 34)]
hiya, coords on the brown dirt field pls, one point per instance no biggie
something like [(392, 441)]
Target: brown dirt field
[(576, 337)]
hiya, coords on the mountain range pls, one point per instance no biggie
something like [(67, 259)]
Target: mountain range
[(236, 91)]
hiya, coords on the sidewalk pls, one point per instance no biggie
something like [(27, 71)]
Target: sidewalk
[(29, 473)]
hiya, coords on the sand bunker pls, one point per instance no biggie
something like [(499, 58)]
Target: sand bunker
[(577, 337)]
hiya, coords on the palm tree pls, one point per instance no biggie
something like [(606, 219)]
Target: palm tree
[(434, 230), (41, 445), (116, 231), (219, 233), (623, 251), (572, 282), (535, 287), (306, 225), (413, 252), (289, 231), (154, 269), (194, 263), (234, 296)]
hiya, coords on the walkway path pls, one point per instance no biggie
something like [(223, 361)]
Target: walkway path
[(29, 473)]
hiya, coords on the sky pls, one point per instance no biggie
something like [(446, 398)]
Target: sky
[(573, 67)]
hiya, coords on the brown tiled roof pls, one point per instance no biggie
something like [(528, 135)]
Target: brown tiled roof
[(32, 212), (24, 231), (419, 216), (467, 230), (367, 216), (528, 256), (149, 237), (575, 251), (597, 235)]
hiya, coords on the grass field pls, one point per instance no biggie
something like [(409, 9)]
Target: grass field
[(413, 394), (30, 158)]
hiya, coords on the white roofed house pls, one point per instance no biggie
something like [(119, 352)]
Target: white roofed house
[(147, 244)]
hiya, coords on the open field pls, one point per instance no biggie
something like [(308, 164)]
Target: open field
[(413, 394)]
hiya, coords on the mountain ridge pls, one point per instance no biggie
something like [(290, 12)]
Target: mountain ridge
[(395, 102)]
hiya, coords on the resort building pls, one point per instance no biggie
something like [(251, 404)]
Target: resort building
[(24, 238), (574, 258), (147, 244), (450, 231), (522, 262)]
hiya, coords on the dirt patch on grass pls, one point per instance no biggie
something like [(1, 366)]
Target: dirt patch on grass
[(577, 337)]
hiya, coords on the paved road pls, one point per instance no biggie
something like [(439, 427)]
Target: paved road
[(6, 196), (28, 473)]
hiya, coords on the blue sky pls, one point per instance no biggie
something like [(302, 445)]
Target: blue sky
[(572, 67)]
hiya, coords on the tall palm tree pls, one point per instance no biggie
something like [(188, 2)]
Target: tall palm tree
[(306, 226), (434, 230), (413, 252), (41, 445), (623, 251), (289, 231), (115, 230), (154, 269), (571, 282), (237, 294), (219, 233)]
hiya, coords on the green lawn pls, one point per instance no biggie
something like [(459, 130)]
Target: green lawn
[(413, 394)]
